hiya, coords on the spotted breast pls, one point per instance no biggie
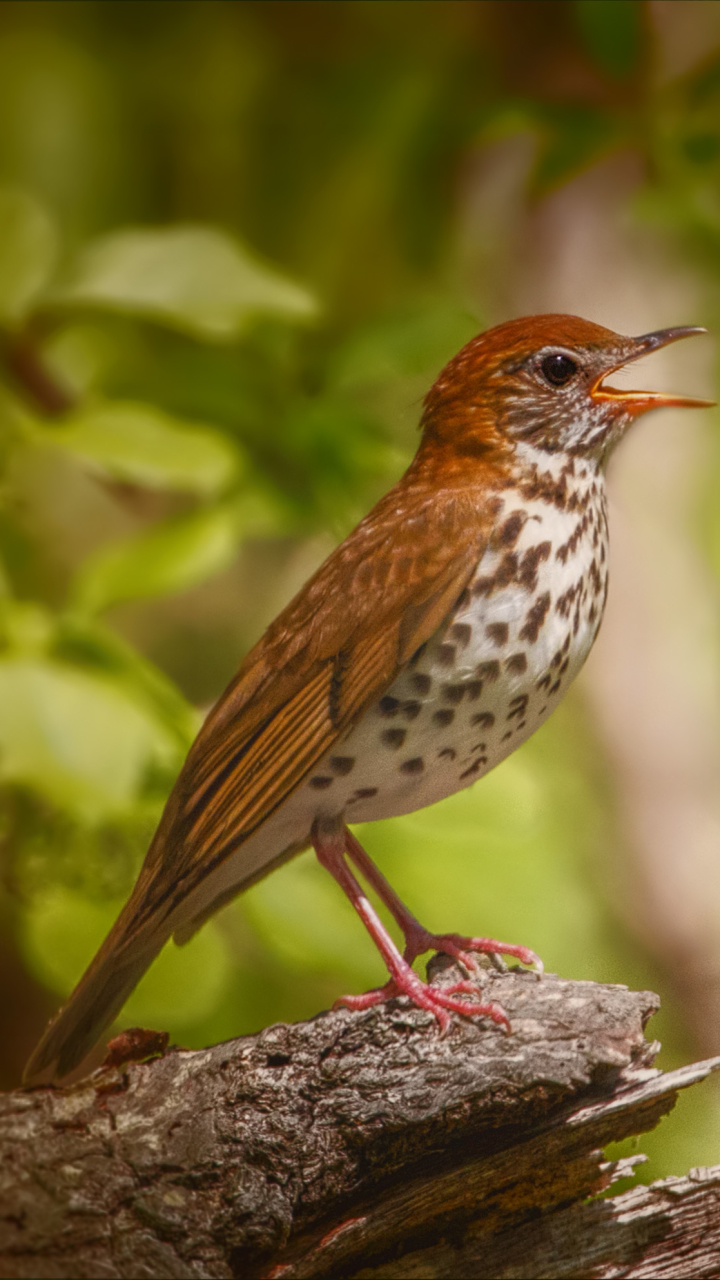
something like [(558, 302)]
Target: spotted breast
[(497, 668)]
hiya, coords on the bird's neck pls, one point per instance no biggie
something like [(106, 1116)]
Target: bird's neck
[(552, 475)]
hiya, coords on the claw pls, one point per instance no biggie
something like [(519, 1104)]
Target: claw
[(436, 1000), (461, 948)]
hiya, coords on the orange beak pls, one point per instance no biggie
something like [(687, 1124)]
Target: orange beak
[(637, 402)]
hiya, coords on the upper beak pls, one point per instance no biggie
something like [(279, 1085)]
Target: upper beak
[(640, 401)]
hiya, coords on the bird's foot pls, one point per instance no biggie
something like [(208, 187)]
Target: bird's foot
[(419, 940), (436, 1000)]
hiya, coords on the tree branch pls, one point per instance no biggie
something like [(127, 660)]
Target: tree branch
[(356, 1143)]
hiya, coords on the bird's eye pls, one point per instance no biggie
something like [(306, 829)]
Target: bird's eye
[(558, 369)]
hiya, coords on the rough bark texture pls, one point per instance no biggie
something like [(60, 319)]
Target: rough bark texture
[(363, 1144)]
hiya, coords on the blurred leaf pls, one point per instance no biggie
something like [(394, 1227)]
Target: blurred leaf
[(702, 148), (335, 447), (144, 446), (89, 643), (572, 138), (703, 82), (413, 342), (193, 277), (77, 738), (171, 557), (62, 931), (28, 251), (26, 627), (612, 33)]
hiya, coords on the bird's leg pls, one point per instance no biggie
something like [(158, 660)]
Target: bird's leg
[(417, 938), (328, 840)]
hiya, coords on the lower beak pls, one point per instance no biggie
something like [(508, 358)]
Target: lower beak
[(637, 402)]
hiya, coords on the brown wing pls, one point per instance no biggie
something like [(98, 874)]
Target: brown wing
[(334, 649)]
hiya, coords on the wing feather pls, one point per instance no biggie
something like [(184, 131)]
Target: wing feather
[(338, 645)]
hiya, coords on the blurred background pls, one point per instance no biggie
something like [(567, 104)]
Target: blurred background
[(238, 241)]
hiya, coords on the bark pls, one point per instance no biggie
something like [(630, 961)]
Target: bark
[(363, 1144)]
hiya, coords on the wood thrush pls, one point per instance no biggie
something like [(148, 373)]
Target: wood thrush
[(428, 646)]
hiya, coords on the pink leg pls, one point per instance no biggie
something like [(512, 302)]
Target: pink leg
[(417, 939), (329, 844)]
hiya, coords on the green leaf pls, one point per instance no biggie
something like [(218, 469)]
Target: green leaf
[(571, 139), (62, 931), (171, 557), (612, 33), (403, 345), (195, 278), (87, 642), (28, 252), (77, 739), (141, 444)]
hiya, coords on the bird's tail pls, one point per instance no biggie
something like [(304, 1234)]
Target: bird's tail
[(97, 999)]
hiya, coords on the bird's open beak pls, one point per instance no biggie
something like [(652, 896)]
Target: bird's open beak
[(641, 401)]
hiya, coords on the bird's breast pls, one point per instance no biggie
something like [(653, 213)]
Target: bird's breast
[(493, 671)]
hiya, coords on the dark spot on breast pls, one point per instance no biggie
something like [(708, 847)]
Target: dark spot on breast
[(422, 683), (411, 709), (565, 602), (510, 530), (444, 716), (389, 706), (518, 706), (474, 689), (463, 599), (483, 586), (415, 765), (365, 793), (447, 753), (446, 655), (535, 618), (417, 655), (528, 572), (479, 746), (506, 571), (489, 670), (485, 719), (542, 485), (521, 725), (342, 764), (506, 736), (320, 783), (462, 632), (453, 693), (544, 681), (554, 688), (498, 632), (570, 547), (564, 666), (475, 767), (516, 664), (393, 738)]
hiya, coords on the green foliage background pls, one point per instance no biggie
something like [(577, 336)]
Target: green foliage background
[(228, 273)]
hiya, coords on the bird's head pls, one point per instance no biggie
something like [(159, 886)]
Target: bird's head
[(541, 380)]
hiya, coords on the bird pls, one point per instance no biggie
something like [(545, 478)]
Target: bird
[(428, 646)]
